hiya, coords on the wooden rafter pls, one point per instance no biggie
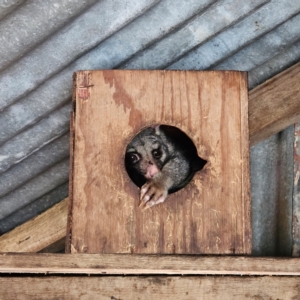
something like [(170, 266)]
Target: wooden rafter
[(274, 105), (38, 233)]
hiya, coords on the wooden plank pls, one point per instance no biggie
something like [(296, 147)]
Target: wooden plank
[(275, 104), (38, 233), (157, 287), (212, 214), (137, 264)]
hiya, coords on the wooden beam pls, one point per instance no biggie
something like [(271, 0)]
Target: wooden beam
[(137, 264), (282, 277), (274, 105), (38, 233), (148, 288)]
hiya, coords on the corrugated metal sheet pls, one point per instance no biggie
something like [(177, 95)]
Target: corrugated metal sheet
[(296, 193), (43, 42)]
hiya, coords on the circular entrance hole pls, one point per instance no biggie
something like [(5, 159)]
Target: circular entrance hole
[(164, 155)]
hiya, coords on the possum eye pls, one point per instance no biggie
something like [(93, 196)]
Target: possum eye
[(133, 157), (157, 153)]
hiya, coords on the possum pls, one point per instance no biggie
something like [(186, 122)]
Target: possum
[(161, 159)]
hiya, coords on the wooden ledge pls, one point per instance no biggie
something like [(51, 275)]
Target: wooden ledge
[(134, 264)]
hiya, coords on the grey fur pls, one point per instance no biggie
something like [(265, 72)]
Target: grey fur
[(161, 159)]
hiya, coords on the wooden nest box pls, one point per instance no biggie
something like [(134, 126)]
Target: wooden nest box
[(211, 215)]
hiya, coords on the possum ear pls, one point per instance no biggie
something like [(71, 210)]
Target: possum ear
[(156, 129)]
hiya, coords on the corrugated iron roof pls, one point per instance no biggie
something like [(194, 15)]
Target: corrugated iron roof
[(43, 42)]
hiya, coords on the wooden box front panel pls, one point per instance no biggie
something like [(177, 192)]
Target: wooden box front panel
[(211, 215)]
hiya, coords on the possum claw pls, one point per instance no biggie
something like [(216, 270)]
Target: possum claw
[(152, 194)]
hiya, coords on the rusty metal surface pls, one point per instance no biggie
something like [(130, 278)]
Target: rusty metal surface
[(43, 42)]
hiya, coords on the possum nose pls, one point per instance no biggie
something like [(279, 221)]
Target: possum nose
[(151, 170)]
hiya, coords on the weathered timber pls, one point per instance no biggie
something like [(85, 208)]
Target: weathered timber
[(209, 216), (38, 233), (149, 287), (137, 264), (274, 105)]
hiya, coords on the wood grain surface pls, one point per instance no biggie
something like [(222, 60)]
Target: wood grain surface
[(275, 104), (137, 264), (38, 233), (212, 214), (148, 287)]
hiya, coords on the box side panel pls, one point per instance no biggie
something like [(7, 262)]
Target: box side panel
[(211, 214)]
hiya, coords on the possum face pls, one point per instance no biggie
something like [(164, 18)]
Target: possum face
[(145, 156), (161, 159)]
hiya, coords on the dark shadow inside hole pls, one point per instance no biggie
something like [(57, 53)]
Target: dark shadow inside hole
[(163, 153)]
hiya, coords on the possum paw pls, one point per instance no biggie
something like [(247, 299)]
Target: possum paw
[(151, 194)]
